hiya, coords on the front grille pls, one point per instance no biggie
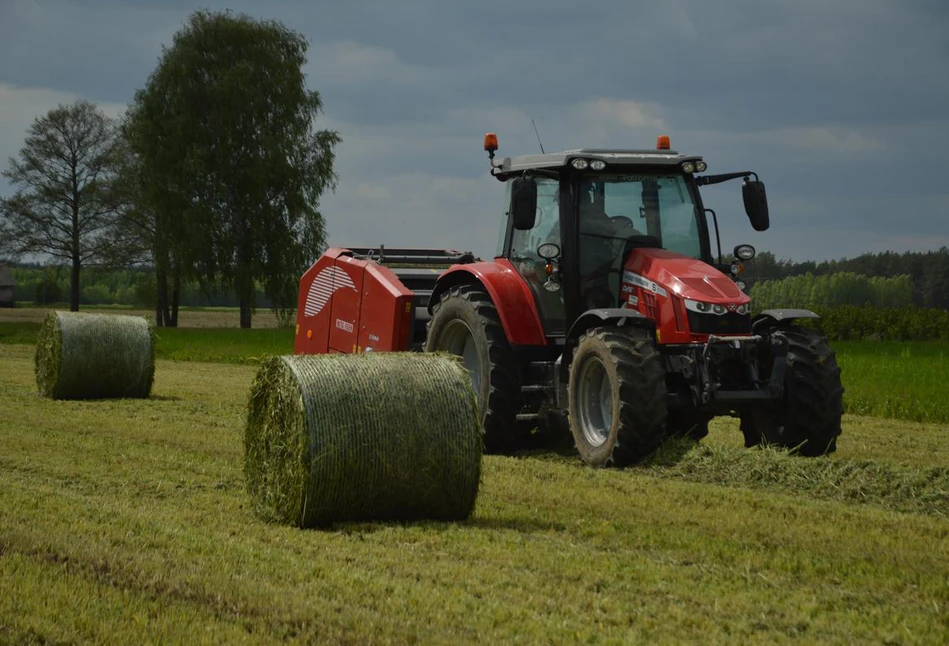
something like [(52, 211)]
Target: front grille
[(728, 323)]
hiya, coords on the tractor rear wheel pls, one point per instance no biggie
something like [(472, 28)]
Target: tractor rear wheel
[(617, 396), (465, 323), (808, 417)]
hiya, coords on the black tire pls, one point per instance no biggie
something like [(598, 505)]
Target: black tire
[(617, 397), (465, 322), (808, 417)]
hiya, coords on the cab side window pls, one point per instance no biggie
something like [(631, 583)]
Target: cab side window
[(546, 225), (531, 266)]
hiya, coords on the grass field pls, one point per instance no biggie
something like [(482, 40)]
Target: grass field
[(205, 335), (204, 317), (883, 379), (127, 522), (896, 380)]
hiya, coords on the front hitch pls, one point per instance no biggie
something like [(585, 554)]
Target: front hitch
[(709, 391)]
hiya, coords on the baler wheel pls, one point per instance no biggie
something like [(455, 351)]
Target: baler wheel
[(617, 397), (465, 323)]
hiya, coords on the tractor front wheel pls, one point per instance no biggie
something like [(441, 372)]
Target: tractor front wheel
[(617, 396), (465, 323), (808, 417)]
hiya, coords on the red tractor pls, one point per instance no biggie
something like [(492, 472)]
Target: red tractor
[(604, 310)]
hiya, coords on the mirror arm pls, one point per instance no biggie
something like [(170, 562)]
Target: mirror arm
[(706, 180), (718, 239)]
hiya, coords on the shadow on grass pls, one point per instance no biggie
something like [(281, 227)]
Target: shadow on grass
[(561, 449), (551, 443), (165, 398), (364, 528), (522, 525), (673, 451)]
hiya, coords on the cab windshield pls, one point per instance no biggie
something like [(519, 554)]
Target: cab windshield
[(622, 206)]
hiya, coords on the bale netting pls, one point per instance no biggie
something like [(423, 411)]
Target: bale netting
[(376, 436), (94, 356)]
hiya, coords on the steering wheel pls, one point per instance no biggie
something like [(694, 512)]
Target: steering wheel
[(622, 221)]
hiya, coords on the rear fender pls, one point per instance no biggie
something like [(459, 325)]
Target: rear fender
[(509, 293), (768, 319)]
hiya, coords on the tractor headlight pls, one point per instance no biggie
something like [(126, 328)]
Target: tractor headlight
[(688, 167), (700, 166), (597, 164), (698, 306), (715, 308), (580, 164)]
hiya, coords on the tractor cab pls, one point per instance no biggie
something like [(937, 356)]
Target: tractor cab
[(590, 229)]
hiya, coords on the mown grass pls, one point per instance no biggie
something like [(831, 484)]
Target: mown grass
[(912, 489), (127, 522)]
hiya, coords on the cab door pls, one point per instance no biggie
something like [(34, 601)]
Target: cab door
[(523, 255)]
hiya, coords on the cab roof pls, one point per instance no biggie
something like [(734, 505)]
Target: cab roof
[(646, 157)]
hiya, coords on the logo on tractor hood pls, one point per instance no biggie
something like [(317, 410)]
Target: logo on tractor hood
[(327, 282), (645, 283)]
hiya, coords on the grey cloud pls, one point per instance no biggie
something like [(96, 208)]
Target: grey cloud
[(840, 106)]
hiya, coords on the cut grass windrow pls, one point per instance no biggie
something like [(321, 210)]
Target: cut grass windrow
[(904, 489)]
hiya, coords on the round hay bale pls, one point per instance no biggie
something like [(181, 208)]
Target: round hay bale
[(376, 436), (94, 356)]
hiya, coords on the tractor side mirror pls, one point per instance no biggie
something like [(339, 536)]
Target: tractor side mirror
[(756, 204), (524, 203)]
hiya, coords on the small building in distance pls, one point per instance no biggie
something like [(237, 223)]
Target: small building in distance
[(6, 286)]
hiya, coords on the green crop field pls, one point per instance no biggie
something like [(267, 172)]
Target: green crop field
[(884, 379), (127, 522), (896, 380)]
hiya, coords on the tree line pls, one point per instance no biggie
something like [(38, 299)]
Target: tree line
[(927, 272), (842, 288), (135, 287), (212, 177)]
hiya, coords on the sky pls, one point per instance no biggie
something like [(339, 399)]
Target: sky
[(841, 107)]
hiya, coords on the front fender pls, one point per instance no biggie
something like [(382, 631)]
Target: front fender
[(509, 293), (773, 318), (618, 316)]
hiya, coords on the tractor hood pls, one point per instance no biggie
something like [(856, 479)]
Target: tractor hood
[(684, 276)]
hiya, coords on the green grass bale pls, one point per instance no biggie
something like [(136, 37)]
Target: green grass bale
[(385, 436), (94, 356)]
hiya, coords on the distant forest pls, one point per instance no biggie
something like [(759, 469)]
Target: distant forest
[(925, 274), (878, 279), (46, 285)]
